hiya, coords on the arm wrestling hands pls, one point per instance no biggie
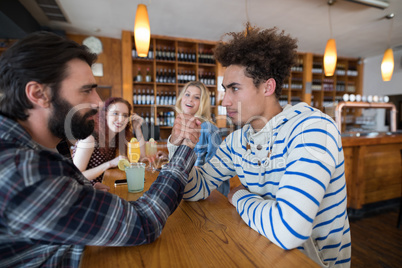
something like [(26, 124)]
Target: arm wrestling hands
[(186, 130)]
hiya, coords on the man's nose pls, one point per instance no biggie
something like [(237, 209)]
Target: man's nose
[(95, 100), (226, 102)]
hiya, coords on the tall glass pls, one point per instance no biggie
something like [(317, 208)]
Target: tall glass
[(135, 175), (151, 150), (133, 151)]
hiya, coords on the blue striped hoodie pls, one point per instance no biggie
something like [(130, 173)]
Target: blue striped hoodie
[(294, 173)]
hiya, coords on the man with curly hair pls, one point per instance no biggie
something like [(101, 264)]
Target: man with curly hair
[(289, 159)]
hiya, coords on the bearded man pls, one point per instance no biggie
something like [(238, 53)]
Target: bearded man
[(48, 210)]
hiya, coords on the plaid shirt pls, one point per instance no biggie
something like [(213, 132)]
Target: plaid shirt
[(49, 211)]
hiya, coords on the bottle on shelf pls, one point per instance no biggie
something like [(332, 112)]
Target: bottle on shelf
[(157, 100), (139, 76), (174, 76), (152, 97), (213, 98), (143, 97), (150, 53), (134, 96), (148, 97), (148, 77)]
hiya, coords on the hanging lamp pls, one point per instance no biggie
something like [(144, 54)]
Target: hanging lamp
[(142, 31), (330, 55), (387, 64)]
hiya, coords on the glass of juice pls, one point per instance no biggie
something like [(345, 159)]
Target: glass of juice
[(135, 174), (133, 150)]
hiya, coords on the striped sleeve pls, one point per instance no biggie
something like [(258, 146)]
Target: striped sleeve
[(212, 174)]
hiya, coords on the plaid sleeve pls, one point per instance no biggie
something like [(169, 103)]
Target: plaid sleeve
[(59, 210)]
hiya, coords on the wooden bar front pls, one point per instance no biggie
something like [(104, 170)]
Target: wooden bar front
[(372, 168), (208, 233)]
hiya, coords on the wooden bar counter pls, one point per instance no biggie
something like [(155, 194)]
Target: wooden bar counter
[(207, 233), (372, 168)]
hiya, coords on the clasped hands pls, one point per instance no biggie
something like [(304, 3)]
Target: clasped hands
[(186, 130)]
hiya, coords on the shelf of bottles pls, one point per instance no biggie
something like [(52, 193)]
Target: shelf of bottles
[(159, 78), (293, 87), (328, 90)]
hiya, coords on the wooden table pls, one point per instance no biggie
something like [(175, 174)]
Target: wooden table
[(208, 233)]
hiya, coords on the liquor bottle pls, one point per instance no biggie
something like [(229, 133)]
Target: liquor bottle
[(134, 96), (148, 97), (164, 54), (200, 57), (170, 99), (213, 98), (171, 57), (148, 77), (182, 55), (139, 76), (147, 119), (193, 59), (192, 75), (151, 53), (169, 76), (165, 76), (152, 97), (143, 97), (174, 76), (158, 53)]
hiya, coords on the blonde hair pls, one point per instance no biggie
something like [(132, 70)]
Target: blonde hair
[(204, 110)]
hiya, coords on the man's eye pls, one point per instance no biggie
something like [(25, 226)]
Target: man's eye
[(235, 88)]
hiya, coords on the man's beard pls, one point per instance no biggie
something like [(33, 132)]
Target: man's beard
[(80, 126)]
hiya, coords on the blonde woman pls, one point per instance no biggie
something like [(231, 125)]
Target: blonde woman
[(194, 100)]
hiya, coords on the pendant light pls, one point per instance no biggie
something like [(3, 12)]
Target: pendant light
[(142, 31), (387, 64), (330, 55)]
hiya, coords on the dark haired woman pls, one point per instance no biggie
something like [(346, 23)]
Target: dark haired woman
[(107, 145)]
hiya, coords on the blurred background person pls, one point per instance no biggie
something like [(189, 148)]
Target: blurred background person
[(194, 99)]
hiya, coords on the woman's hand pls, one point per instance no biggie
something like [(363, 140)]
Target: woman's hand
[(113, 163), (136, 121)]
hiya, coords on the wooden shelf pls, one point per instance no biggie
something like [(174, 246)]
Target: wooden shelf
[(167, 54)]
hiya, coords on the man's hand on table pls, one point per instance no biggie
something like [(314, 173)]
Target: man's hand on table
[(186, 130), (233, 191), (101, 186)]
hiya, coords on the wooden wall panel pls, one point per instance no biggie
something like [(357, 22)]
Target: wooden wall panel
[(383, 172), (111, 82)]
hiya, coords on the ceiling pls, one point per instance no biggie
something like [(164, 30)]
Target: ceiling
[(359, 30)]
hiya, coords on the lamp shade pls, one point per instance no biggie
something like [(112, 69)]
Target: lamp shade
[(330, 58), (387, 65), (142, 31)]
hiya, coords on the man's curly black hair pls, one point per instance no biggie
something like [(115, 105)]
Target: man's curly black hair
[(265, 54)]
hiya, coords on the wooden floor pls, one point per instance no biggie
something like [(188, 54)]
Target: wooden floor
[(376, 242)]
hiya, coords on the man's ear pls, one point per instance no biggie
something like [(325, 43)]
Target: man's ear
[(37, 94), (269, 87)]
